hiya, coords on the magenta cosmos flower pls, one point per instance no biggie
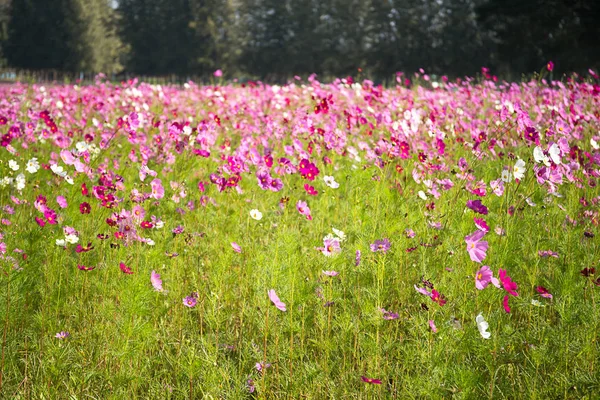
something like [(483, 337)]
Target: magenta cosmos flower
[(476, 247), (372, 381), (476, 206), (507, 283), (382, 245)]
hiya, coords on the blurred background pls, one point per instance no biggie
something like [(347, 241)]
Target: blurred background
[(274, 40)]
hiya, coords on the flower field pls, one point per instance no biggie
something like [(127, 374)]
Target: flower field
[(342, 240)]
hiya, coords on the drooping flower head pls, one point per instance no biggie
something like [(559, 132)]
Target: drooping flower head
[(275, 299), (156, 281)]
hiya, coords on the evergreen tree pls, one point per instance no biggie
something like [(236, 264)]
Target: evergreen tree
[(68, 35)]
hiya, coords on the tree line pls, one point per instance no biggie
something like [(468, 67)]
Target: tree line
[(277, 39)]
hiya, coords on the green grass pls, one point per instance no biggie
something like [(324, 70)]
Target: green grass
[(128, 341)]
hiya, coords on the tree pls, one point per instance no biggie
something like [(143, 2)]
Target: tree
[(68, 35)]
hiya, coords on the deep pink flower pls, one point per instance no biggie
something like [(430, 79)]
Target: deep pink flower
[(85, 208), (51, 216), (481, 224), (84, 268), (543, 292), (310, 190), (372, 381), (477, 206), (505, 304), (507, 283), (438, 298), (476, 247), (125, 269), (40, 221), (550, 66)]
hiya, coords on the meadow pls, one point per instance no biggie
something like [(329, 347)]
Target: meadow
[(432, 239)]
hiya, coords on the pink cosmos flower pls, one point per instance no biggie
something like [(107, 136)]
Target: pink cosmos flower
[(476, 247), (62, 335), (275, 299), (190, 301), (483, 277), (382, 245), (331, 246), (303, 209), (218, 73), (330, 273), (432, 326), (423, 291), (236, 247), (388, 315), (158, 191), (497, 187), (62, 202), (156, 281)]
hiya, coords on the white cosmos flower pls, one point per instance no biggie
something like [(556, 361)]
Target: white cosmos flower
[(482, 325), (58, 170), (69, 179), (341, 235), (506, 176), (20, 182), (71, 239), (255, 214), (6, 181), (540, 157), (12, 164), (422, 195), (594, 144), (32, 166), (61, 242), (150, 242), (330, 181), (519, 169), (554, 152)]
